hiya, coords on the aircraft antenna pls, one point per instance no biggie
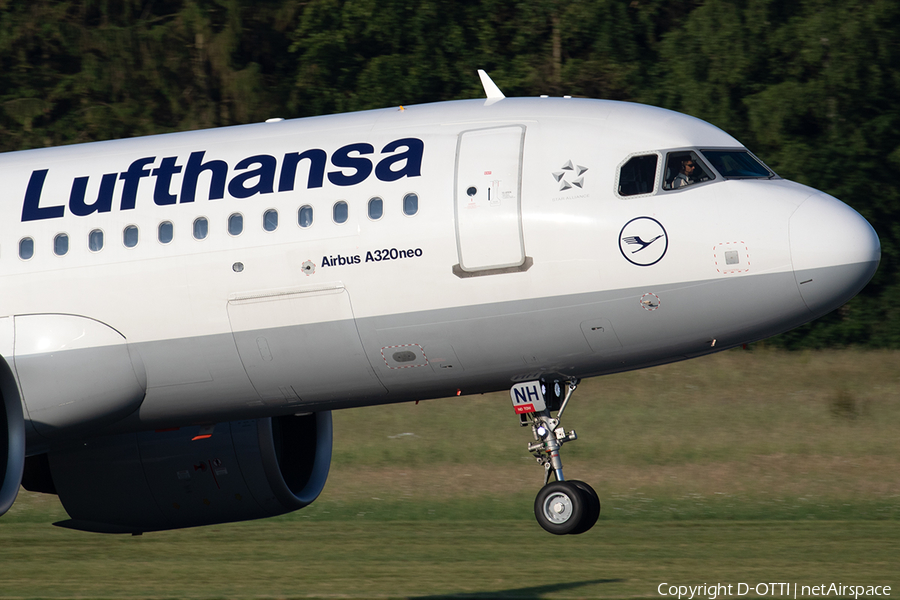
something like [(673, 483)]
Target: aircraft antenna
[(490, 88)]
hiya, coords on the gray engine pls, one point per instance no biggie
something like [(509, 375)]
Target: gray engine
[(12, 439), (158, 480)]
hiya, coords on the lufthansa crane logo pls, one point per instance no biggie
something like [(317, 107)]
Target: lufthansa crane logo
[(643, 241)]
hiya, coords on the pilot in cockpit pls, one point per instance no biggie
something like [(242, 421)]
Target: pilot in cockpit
[(685, 173)]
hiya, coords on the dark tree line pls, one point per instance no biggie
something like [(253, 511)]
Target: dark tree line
[(811, 86)]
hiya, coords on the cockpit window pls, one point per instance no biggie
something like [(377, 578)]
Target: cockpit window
[(638, 175), (737, 164), (685, 168)]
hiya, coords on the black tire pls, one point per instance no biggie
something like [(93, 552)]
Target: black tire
[(592, 509), (560, 507)]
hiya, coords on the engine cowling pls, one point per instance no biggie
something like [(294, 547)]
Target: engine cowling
[(154, 481), (12, 439)]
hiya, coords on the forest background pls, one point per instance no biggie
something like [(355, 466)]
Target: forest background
[(810, 86)]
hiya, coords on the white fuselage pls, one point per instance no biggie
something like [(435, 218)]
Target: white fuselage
[(468, 293)]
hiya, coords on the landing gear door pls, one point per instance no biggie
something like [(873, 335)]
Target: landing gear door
[(488, 199), (527, 397)]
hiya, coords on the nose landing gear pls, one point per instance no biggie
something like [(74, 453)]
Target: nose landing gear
[(561, 507)]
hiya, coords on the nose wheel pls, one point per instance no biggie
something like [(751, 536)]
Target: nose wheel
[(566, 507), (561, 507)]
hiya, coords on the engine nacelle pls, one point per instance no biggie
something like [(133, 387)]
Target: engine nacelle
[(153, 481), (12, 438)]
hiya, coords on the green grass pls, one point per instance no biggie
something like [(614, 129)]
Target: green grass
[(487, 559), (747, 466)]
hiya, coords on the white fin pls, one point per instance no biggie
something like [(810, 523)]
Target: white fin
[(490, 88)]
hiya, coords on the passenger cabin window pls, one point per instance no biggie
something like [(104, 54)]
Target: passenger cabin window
[(305, 216), (201, 228), (376, 208), (130, 236), (270, 220), (410, 204), (685, 168), (165, 232), (26, 248), (61, 244), (95, 241), (236, 224), (340, 212), (737, 164), (638, 175)]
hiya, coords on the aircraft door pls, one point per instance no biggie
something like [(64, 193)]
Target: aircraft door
[(487, 198), (301, 345)]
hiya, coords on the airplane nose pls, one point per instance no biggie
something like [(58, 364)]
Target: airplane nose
[(834, 251)]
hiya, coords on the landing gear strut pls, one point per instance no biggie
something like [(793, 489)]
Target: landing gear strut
[(561, 507)]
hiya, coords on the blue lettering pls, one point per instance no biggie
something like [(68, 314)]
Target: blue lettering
[(218, 172), (317, 160), (31, 209), (132, 178), (520, 395), (77, 205), (161, 194), (252, 175), (413, 157), (342, 159), (533, 393), (265, 172)]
